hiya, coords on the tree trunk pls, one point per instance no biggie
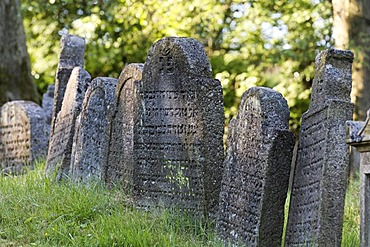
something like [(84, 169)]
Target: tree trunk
[(15, 74), (351, 30)]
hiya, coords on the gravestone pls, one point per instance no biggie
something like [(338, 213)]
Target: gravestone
[(358, 135), (71, 55), (48, 102), (119, 164), (24, 135), (319, 185), (178, 148), (91, 129), (61, 139), (256, 171)]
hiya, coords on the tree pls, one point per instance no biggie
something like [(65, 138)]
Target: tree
[(351, 30), (16, 81), (250, 43)]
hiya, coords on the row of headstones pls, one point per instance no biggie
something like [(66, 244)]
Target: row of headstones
[(157, 132)]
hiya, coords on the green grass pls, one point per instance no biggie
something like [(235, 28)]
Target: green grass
[(351, 219), (35, 211)]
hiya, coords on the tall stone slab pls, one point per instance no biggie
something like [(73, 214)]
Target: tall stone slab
[(256, 171), (61, 139), (319, 185), (90, 140), (24, 135), (71, 55), (358, 135), (119, 165), (178, 134)]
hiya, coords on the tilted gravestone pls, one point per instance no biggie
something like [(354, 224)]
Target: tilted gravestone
[(178, 133), (61, 139), (48, 102), (90, 139), (319, 185), (118, 168), (358, 135), (24, 135), (256, 171), (71, 55)]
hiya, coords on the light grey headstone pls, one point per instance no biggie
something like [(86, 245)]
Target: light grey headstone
[(358, 135), (256, 171), (120, 157), (48, 102), (24, 135), (61, 139), (90, 140), (72, 49), (178, 133), (319, 184)]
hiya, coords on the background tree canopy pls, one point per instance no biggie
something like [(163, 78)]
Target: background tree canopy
[(269, 43)]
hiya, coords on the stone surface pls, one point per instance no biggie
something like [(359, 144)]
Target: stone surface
[(120, 157), (48, 102), (358, 135), (178, 148), (71, 55), (24, 135), (319, 185), (61, 139), (90, 139), (256, 171)]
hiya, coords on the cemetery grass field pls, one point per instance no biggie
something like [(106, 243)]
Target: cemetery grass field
[(35, 211)]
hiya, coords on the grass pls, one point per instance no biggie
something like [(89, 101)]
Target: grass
[(35, 211), (351, 219)]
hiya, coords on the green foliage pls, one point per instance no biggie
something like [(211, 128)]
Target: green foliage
[(38, 212), (250, 43)]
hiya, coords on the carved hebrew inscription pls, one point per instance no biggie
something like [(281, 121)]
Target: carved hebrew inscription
[(178, 130), (256, 171), (318, 190), (170, 148), (15, 142), (311, 154), (23, 135)]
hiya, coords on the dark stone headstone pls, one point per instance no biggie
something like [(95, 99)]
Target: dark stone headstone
[(48, 102), (358, 135), (256, 171), (61, 139), (178, 133), (71, 55), (319, 185), (120, 153), (90, 140), (24, 135)]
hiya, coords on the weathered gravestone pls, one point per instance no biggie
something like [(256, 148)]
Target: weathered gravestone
[(90, 139), (119, 165), (358, 135), (61, 139), (319, 185), (256, 171), (178, 134), (71, 55), (24, 135), (48, 102)]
